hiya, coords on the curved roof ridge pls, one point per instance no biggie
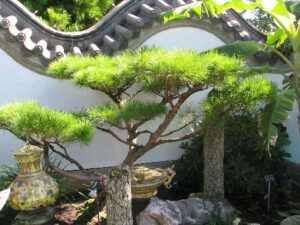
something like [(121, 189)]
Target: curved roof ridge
[(124, 23)]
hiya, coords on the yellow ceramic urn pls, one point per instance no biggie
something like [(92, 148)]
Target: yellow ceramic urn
[(33, 188)]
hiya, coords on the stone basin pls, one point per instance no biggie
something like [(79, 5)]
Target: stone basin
[(146, 180)]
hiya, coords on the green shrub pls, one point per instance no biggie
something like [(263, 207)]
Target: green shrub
[(246, 161), (69, 15), (7, 175)]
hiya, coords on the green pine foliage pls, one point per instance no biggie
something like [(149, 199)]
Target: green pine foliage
[(164, 73), (30, 120), (69, 15), (154, 69), (240, 96), (162, 70), (131, 112), (103, 73)]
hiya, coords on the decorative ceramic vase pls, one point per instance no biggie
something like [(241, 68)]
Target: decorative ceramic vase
[(146, 180), (33, 188)]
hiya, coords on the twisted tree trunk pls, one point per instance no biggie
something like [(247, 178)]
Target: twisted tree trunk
[(118, 197), (213, 160)]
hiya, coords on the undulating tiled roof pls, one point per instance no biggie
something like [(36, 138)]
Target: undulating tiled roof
[(39, 43)]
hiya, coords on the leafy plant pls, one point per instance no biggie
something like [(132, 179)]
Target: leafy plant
[(246, 162), (69, 15), (260, 20), (190, 165), (293, 209), (7, 175)]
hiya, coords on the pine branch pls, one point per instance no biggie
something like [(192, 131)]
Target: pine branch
[(23, 138), (185, 137), (113, 134), (143, 132), (178, 129), (66, 156), (85, 177), (172, 113)]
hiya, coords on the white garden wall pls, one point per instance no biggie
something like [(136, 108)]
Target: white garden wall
[(20, 84)]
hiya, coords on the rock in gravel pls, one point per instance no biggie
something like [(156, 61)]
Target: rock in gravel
[(189, 211)]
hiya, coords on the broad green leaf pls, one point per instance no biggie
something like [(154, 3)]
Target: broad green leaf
[(198, 10), (239, 5), (210, 7), (279, 37), (182, 12), (280, 14), (276, 112), (243, 49)]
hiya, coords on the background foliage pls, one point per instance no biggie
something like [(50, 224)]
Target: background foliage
[(69, 15), (246, 160)]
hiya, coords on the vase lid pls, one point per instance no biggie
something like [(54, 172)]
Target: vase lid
[(28, 150)]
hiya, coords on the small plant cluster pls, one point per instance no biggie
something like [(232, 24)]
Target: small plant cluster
[(69, 15), (246, 160)]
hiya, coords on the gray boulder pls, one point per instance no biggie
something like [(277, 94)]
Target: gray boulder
[(189, 211)]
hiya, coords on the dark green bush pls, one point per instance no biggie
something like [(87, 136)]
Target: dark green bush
[(246, 161), (69, 15)]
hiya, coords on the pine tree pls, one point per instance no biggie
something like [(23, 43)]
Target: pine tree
[(170, 77)]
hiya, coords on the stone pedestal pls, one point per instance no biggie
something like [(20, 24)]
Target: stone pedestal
[(35, 217)]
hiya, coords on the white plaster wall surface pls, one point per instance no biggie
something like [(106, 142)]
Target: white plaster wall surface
[(20, 84)]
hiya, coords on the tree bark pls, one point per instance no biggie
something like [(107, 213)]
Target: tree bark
[(118, 197), (213, 160)]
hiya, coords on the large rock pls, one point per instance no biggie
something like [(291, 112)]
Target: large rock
[(183, 212)]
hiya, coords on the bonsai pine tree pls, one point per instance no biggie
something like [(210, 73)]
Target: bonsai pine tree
[(170, 78)]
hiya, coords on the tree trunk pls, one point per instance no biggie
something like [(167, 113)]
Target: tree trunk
[(118, 197), (213, 160)]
